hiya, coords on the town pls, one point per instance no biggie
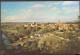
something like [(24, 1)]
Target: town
[(24, 35)]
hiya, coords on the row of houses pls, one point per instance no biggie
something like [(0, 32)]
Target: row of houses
[(56, 26), (64, 26), (67, 26)]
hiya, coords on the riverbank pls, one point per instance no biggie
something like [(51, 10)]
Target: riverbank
[(37, 52), (19, 52), (7, 41)]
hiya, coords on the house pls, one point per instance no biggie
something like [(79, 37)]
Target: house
[(20, 38), (33, 24), (31, 36), (75, 25), (61, 28), (24, 37), (66, 28), (77, 29), (14, 41), (25, 25)]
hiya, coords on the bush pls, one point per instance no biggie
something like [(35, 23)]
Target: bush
[(45, 30), (51, 45)]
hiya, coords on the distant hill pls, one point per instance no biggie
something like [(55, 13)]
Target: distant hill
[(36, 22)]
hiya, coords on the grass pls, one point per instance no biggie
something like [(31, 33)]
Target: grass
[(12, 31)]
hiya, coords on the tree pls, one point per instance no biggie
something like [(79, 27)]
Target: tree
[(79, 21), (78, 18), (45, 30)]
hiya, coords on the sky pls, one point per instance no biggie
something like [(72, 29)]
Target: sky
[(39, 11)]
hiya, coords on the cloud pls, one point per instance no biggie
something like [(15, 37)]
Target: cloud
[(66, 10), (5, 10), (70, 10), (11, 19), (37, 14), (37, 18), (69, 2), (59, 12), (25, 11), (54, 9), (49, 5), (40, 6), (30, 11)]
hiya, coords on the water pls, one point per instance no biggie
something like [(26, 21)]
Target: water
[(4, 37), (6, 42)]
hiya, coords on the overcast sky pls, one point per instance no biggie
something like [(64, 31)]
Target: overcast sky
[(39, 11)]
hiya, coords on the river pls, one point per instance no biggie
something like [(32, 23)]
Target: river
[(6, 42)]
